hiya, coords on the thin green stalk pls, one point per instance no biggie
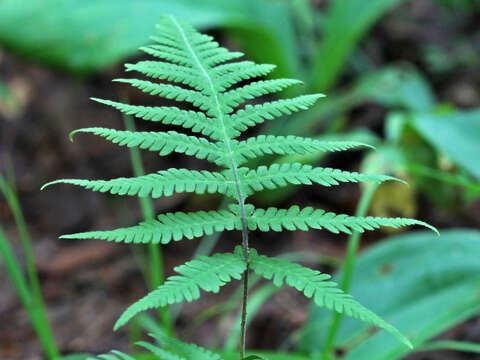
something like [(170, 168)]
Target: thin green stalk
[(14, 270), (155, 258), (243, 324), (35, 305), (450, 345), (353, 243)]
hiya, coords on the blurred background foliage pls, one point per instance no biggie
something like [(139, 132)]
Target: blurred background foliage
[(401, 75)]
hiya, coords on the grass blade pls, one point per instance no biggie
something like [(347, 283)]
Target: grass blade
[(34, 303)]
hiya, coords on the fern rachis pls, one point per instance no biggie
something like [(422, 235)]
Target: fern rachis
[(211, 80)]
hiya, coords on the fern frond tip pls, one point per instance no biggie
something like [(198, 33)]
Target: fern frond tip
[(101, 101), (75, 132), (74, 236), (50, 183), (393, 178)]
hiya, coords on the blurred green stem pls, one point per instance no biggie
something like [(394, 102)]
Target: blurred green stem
[(450, 345), (29, 290), (155, 258), (353, 244)]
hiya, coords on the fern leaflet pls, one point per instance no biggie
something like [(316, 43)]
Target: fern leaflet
[(168, 227), (285, 145), (114, 355), (313, 284), (162, 142), (180, 349), (206, 273), (295, 218)]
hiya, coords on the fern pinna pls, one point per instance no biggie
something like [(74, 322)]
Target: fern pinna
[(212, 80)]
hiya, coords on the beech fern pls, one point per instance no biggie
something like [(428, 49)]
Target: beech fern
[(212, 80)]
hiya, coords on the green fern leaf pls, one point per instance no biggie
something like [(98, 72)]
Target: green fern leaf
[(313, 284), (169, 53), (169, 72), (162, 142), (238, 96), (219, 55), (232, 74), (206, 273), (279, 175), (257, 114), (161, 353), (163, 183), (114, 355), (295, 218), (286, 145), (169, 92), (194, 120), (185, 350), (168, 227)]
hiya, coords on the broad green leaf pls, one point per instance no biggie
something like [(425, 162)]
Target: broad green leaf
[(345, 24), (400, 86), (464, 346), (427, 284), (92, 34), (429, 317), (271, 28), (466, 6), (456, 134)]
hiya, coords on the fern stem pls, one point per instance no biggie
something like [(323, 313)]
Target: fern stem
[(353, 244), (234, 168), (155, 271), (243, 324)]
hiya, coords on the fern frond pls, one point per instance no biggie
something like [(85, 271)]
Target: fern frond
[(204, 273), (257, 114), (286, 145), (302, 219), (114, 355), (168, 227), (313, 284), (280, 175), (162, 142), (203, 74), (163, 183), (194, 120)]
